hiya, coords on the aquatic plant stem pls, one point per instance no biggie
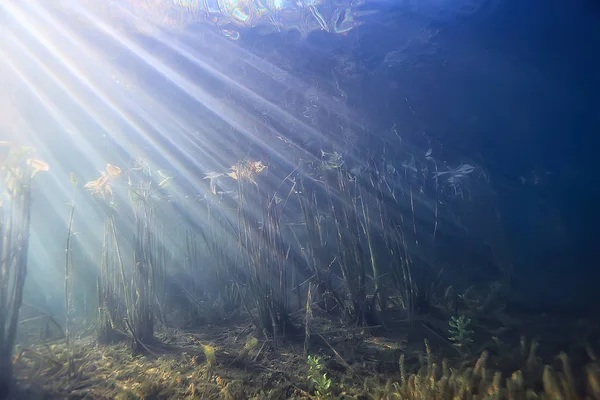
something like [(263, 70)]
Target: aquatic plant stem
[(68, 263), (15, 215)]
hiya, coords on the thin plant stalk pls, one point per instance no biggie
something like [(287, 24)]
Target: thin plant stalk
[(68, 267), (15, 213)]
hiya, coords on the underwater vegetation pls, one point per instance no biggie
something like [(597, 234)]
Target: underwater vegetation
[(243, 223), (17, 168), (310, 288)]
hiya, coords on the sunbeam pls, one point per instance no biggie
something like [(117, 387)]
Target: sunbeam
[(248, 199)]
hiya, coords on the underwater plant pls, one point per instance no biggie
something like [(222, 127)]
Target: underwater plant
[(327, 180), (112, 284), (143, 283), (265, 256), (69, 261), (263, 250), (318, 378), (16, 172), (346, 218), (139, 292), (461, 333)]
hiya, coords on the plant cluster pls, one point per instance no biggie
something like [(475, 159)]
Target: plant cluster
[(478, 380), (318, 378), (135, 287), (352, 244), (461, 332), (17, 168), (322, 234)]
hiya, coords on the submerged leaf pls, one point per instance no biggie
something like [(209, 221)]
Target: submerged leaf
[(113, 170), (164, 182), (257, 167), (90, 185), (99, 186), (212, 175), (73, 179), (38, 165), (134, 197), (233, 174), (164, 174)]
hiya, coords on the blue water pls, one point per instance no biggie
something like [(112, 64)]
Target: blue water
[(511, 87)]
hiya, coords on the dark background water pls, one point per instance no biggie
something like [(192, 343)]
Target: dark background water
[(519, 89), (515, 88)]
